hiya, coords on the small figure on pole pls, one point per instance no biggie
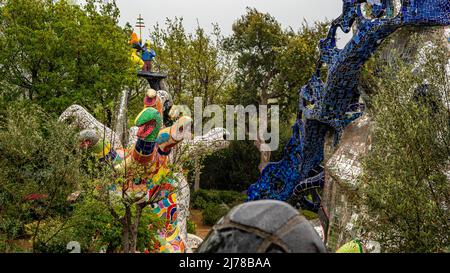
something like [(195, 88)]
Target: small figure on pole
[(147, 56), (142, 55)]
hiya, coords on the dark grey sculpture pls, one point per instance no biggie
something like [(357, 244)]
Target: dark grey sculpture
[(266, 226)]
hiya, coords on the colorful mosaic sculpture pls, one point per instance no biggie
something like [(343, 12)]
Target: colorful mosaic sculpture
[(141, 54), (331, 105), (151, 151), (150, 144), (170, 239)]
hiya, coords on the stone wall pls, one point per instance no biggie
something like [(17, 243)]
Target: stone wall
[(343, 167)]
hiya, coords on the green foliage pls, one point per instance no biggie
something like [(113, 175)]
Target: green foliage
[(171, 45), (55, 53), (272, 64), (258, 57), (39, 156), (93, 226), (296, 63), (240, 160), (406, 191), (196, 63), (234, 168), (213, 212), (201, 199), (256, 43), (191, 227)]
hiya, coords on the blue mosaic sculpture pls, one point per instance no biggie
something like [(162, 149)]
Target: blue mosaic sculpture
[(330, 106)]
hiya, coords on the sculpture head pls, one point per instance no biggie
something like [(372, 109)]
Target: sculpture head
[(134, 38), (89, 139), (181, 129), (171, 136), (149, 123), (266, 226), (151, 98)]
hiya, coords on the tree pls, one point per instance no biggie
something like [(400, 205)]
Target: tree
[(296, 63), (406, 193), (272, 64), (55, 54), (39, 168), (128, 204), (196, 64), (210, 69), (106, 220), (171, 45)]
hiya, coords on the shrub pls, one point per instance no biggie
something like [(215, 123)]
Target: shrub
[(191, 227), (234, 168), (202, 198), (94, 228), (406, 190), (39, 167), (213, 212)]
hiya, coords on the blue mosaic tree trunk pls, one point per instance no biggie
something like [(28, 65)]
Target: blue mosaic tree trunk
[(328, 107)]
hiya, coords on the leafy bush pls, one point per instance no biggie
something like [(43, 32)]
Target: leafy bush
[(39, 168), (93, 226), (201, 199), (215, 204), (406, 190), (234, 168), (191, 227), (213, 212)]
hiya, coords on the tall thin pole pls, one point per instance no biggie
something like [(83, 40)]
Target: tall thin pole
[(140, 24)]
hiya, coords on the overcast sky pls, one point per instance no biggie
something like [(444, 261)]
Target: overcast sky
[(290, 13)]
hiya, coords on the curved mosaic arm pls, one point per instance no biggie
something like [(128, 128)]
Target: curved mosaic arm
[(194, 241), (78, 116), (331, 105), (212, 141)]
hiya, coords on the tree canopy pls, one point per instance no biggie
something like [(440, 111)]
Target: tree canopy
[(272, 63), (406, 190), (57, 53)]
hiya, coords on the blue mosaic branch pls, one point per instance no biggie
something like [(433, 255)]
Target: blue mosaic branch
[(330, 106)]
